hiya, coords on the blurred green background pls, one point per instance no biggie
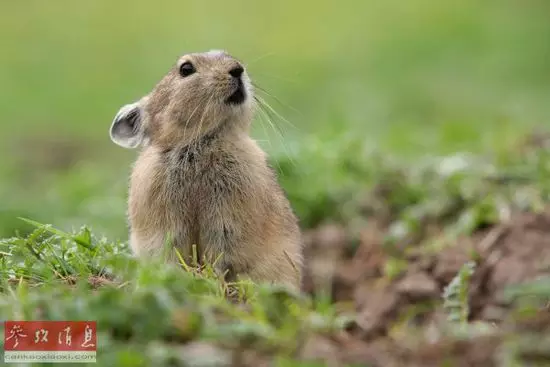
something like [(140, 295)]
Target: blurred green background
[(408, 78)]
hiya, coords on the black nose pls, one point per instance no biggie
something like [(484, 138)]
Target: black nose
[(236, 72)]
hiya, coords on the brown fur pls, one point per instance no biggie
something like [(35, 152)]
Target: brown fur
[(202, 180)]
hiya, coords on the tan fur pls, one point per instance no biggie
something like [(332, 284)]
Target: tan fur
[(202, 180)]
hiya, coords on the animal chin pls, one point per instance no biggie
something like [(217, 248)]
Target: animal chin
[(237, 97)]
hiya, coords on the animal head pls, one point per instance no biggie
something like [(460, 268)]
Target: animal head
[(200, 93)]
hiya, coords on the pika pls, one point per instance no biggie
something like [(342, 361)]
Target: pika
[(200, 179)]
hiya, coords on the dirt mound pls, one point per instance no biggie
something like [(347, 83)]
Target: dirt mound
[(389, 291)]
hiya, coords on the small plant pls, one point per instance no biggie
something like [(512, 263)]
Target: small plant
[(455, 295)]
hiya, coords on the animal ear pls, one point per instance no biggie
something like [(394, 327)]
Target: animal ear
[(127, 129)]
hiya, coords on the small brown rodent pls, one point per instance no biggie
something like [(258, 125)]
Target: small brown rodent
[(201, 180)]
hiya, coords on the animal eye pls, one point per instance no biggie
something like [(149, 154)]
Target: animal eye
[(187, 69)]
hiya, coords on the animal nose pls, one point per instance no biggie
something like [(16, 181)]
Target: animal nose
[(236, 72)]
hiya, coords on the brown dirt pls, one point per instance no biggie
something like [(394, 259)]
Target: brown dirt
[(507, 254)]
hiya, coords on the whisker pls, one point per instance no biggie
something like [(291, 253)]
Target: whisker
[(275, 112), (261, 105), (268, 119), (185, 128), (277, 77), (195, 137), (260, 58), (262, 122), (267, 136), (276, 99)]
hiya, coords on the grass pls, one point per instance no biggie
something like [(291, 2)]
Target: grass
[(145, 311)]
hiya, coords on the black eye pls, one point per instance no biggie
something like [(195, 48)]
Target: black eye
[(187, 69)]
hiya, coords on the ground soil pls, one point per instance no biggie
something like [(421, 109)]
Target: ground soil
[(506, 254)]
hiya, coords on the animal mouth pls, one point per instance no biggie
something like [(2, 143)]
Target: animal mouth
[(238, 96)]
